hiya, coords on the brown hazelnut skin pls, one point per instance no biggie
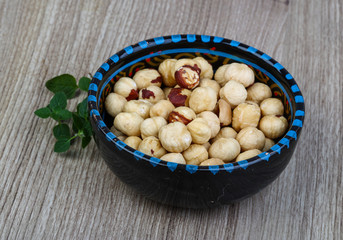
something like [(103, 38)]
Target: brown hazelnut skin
[(179, 97), (152, 94), (272, 106), (273, 126), (161, 108), (152, 146), (250, 138), (258, 92), (147, 77), (246, 114), (166, 69), (226, 149), (187, 77), (175, 137), (212, 161), (182, 114), (203, 99), (126, 87), (247, 154), (128, 123), (195, 154)]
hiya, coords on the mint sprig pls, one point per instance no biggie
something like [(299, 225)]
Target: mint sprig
[(64, 87)]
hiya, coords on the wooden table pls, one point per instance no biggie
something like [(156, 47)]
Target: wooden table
[(44, 195)]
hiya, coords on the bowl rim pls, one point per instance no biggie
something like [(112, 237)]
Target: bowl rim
[(290, 136)]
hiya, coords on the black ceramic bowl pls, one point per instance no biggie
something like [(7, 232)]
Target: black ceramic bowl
[(189, 185)]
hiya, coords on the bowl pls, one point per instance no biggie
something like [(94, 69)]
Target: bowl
[(193, 186)]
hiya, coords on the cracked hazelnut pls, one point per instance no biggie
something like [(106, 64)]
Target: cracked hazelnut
[(161, 108), (187, 77), (133, 141), (212, 161), (128, 123), (258, 92), (251, 138), (179, 96), (225, 113), (226, 149), (175, 137), (273, 126), (195, 154), (182, 114), (152, 146), (241, 73), (151, 126), (147, 77), (174, 157), (234, 93), (212, 121), (166, 69), (268, 144), (126, 87), (141, 107), (226, 132), (272, 106), (203, 99), (219, 76), (247, 154), (152, 94), (114, 104), (246, 115), (199, 130), (206, 82), (205, 67)]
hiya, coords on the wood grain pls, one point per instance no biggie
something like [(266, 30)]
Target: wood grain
[(44, 195)]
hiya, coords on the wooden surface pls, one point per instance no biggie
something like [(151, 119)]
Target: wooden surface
[(44, 195)]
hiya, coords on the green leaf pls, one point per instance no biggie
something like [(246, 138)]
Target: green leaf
[(85, 141), (87, 128), (62, 145), (58, 102), (82, 109), (77, 122), (43, 112), (62, 114), (63, 83), (84, 83), (61, 131)]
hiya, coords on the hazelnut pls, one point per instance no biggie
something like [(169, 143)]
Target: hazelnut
[(273, 126), (175, 137), (226, 132), (207, 145), (114, 104), (268, 144), (241, 73), (199, 130), (161, 108), (133, 141), (251, 138), (187, 77), (212, 121), (128, 123), (179, 96), (246, 115), (205, 67), (258, 92), (166, 91), (226, 149), (152, 146), (116, 132), (182, 114), (152, 94), (166, 69), (212, 161), (225, 112), (206, 82), (174, 157), (203, 99), (126, 87), (195, 154), (122, 138), (272, 106), (248, 154), (219, 76), (141, 107), (147, 77), (186, 62), (151, 126), (233, 92)]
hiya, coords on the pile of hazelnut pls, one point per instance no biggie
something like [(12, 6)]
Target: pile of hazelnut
[(178, 113)]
